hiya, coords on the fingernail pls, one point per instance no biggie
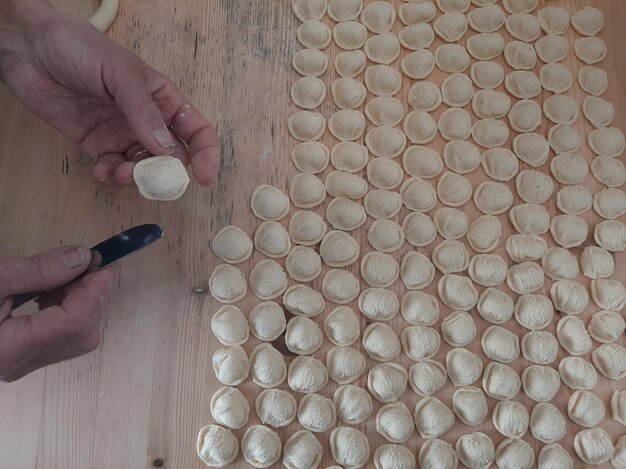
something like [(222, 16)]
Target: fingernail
[(74, 257), (163, 138), (106, 179)]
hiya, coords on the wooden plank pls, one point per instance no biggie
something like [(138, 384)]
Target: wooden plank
[(144, 394)]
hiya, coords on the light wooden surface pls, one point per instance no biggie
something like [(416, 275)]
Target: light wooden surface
[(145, 392)]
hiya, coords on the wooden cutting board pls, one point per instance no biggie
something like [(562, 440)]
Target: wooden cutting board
[(140, 399)]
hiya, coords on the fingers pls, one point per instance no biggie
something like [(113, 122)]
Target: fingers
[(43, 271), (127, 84), (190, 126), (55, 333)]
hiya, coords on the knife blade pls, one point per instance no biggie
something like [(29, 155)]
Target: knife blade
[(109, 252)]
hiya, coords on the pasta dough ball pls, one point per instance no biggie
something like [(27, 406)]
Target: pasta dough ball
[(350, 64), (380, 342), (420, 342), (231, 365), (594, 446), (217, 446), (382, 203), (383, 48), (534, 312), (353, 404), (487, 270), (606, 326), (493, 198), (389, 142), (540, 347), (345, 10), (417, 271), (554, 456), (563, 138), (547, 424), (534, 187), (461, 157), (161, 178), (417, 36), (393, 456), (232, 245), (540, 383), (379, 269), (230, 408), (418, 65), (302, 451), (349, 446), (350, 35), (432, 417), (514, 453), (418, 195), (394, 422), (469, 405), (426, 377), (387, 381), (453, 190), (267, 321), (230, 326), (520, 56), (306, 228), (598, 111), (573, 336), (490, 133), (588, 21), (306, 126), (501, 381), (500, 164), (339, 249), (272, 239), (596, 262), (303, 264), (457, 292), (606, 141), (269, 203), (303, 336), (610, 360), (525, 247), (511, 419), (609, 171), (302, 300), (559, 264), (523, 26), (524, 278), (435, 453), (382, 80), (419, 127), (346, 125), (348, 93), (424, 95), (574, 200), (610, 203), (450, 256), (385, 236), (306, 191), (593, 80), (458, 329), (306, 375), (464, 367), (569, 168), (276, 407), (475, 450), (608, 294), (500, 344), (419, 229), (552, 48), (495, 306), (308, 92), (486, 19), (342, 326), (454, 124), (267, 366), (487, 74), (310, 62), (261, 446), (569, 297), (585, 408), (489, 104), (451, 26), (610, 235), (578, 373), (384, 111), (378, 17), (227, 284), (379, 304), (316, 413), (553, 20), (569, 230), (532, 148), (451, 58), (484, 233), (340, 286)]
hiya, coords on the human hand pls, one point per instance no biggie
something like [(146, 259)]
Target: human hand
[(100, 95), (68, 323)]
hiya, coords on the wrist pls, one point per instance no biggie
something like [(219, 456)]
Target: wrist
[(19, 19)]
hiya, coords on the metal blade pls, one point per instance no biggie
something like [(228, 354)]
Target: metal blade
[(123, 244)]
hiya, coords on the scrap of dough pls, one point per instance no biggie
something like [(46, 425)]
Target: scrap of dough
[(217, 446), (227, 284), (161, 178), (232, 245), (261, 446), (105, 14), (342, 326), (302, 451), (276, 407)]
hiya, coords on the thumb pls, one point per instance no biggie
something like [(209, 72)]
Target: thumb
[(43, 271), (130, 91)]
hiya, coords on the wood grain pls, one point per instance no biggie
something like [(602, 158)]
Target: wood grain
[(145, 392)]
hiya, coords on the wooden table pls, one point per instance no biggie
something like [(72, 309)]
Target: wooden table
[(140, 399)]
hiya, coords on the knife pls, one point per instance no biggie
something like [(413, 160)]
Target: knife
[(109, 252)]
